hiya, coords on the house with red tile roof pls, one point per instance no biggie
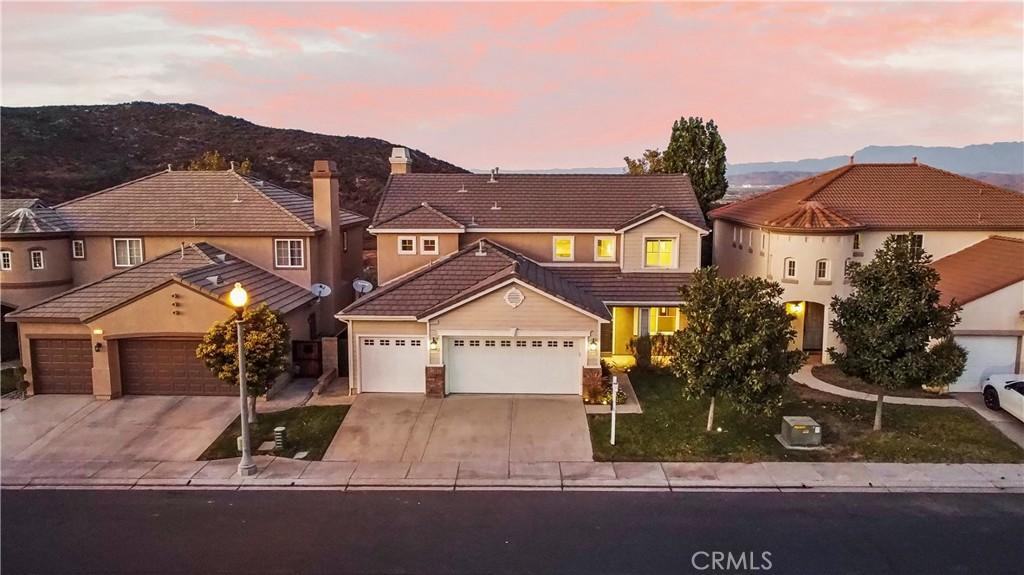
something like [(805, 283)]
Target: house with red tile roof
[(519, 283), (112, 291), (806, 233)]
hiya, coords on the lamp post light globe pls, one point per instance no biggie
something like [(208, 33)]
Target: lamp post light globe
[(239, 298)]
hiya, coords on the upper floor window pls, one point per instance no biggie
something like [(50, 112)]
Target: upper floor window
[(821, 270), (659, 252), (562, 248), (428, 245), (406, 245), (78, 249), (856, 242), (764, 241), (846, 269), (127, 252), (289, 254), (789, 268), (35, 258), (604, 248), (917, 244), (5, 260)]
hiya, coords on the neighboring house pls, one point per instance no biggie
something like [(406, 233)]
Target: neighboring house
[(516, 283), (805, 234), (149, 264)]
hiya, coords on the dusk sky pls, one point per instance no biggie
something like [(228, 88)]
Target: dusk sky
[(545, 85)]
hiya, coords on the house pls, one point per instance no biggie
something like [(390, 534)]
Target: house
[(518, 283), (806, 233), (112, 291)]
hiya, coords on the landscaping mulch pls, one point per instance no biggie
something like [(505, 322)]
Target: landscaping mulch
[(310, 428), (835, 376)]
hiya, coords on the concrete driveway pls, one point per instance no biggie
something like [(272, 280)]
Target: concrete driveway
[(411, 427), (80, 428)]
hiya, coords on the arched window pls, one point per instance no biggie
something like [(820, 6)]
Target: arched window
[(789, 268), (821, 270)]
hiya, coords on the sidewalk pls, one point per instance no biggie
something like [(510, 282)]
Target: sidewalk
[(283, 473), (805, 377)]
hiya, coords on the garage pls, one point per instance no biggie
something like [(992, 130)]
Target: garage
[(986, 355), (514, 365), (392, 364), (166, 367), (61, 365)]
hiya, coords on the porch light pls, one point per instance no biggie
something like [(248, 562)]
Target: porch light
[(593, 344), (433, 344), (238, 296), (794, 308)]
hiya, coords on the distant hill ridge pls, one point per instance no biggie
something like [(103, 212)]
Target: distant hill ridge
[(62, 152)]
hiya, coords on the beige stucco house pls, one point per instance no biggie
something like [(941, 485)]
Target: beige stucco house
[(516, 283), (804, 234), (112, 291)]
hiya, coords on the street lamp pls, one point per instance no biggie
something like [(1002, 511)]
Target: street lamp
[(239, 298)]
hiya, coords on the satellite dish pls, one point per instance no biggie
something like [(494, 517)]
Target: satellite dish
[(320, 290), (362, 286)]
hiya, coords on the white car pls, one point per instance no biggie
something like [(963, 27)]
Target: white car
[(1005, 392)]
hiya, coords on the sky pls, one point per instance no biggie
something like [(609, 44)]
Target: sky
[(546, 85)]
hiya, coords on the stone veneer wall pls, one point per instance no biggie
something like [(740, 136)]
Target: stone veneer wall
[(435, 380)]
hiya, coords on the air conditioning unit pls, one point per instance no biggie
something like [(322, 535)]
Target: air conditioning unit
[(800, 431)]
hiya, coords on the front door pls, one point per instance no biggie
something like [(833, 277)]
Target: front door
[(306, 358), (814, 326)]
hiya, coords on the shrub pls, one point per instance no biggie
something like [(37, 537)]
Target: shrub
[(641, 347), (947, 362)]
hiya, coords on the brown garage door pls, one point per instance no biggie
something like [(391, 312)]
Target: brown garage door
[(166, 367), (61, 365)]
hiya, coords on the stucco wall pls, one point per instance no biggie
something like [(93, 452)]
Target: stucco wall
[(540, 246), (998, 311), (27, 331), (688, 245), (391, 264), (937, 243), (23, 285)]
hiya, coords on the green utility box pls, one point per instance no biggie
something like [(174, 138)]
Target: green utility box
[(801, 431)]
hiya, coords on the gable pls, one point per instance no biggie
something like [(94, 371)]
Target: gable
[(537, 311)]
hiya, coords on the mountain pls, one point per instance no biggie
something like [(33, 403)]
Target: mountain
[(62, 152)]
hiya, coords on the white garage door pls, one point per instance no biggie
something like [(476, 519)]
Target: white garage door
[(986, 355), (392, 364), (514, 365)]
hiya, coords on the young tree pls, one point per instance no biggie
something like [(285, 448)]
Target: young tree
[(697, 149), (213, 161), (891, 318), (266, 350), (651, 162), (735, 342)]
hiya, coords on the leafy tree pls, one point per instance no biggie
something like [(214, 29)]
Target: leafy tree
[(213, 161), (697, 149), (266, 350), (891, 318), (651, 162), (735, 342)]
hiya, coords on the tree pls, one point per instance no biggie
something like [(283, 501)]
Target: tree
[(735, 342), (266, 350), (892, 318), (697, 149), (651, 162), (213, 161)]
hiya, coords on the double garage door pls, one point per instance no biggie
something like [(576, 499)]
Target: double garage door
[(166, 367), (986, 355)]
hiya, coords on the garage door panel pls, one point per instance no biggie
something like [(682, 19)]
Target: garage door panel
[(392, 364), (986, 355), (167, 367), (514, 365), (61, 365)]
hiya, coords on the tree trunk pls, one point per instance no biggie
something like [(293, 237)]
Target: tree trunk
[(878, 411), (252, 409), (711, 414)]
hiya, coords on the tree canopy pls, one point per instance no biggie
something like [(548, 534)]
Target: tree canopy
[(214, 161)]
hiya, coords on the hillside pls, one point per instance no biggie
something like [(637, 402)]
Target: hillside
[(62, 152)]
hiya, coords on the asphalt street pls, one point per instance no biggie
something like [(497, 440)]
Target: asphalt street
[(188, 531)]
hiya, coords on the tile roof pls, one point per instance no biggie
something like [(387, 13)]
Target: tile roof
[(29, 216), (813, 215), (981, 269), (541, 201), (463, 274), (194, 202), (422, 216), (612, 285), (195, 266), (883, 196)]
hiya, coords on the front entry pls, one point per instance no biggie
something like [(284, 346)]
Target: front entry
[(814, 326), (514, 365)]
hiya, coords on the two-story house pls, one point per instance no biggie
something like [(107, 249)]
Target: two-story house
[(806, 233), (112, 291), (517, 283)]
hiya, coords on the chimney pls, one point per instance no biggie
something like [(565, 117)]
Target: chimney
[(325, 249), (401, 161), (851, 159)]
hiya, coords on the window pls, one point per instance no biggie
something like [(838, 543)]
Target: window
[(78, 249), (789, 268), (385, 342), (552, 343), (367, 342), (474, 343), (562, 248), (459, 343), (738, 243), (856, 242), (567, 343), (36, 259), (5, 260), (289, 254), (127, 252), (821, 270), (735, 230), (400, 342), (489, 343), (406, 245), (663, 319), (846, 268), (764, 241), (917, 244), (536, 343), (428, 245), (520, 343), (415, 342), (659, 252), (604, 249), (506, 343)]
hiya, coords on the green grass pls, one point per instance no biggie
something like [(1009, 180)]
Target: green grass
[(310, 429), (672, 429)]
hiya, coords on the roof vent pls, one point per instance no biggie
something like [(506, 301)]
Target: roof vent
[(914, 160), (223, 258), (462, 189), (237, 199), (480, 248), (495, 206), (169, 168), (214, 280), (851, 159), (195, 222), (494, 176), (472, 221), (232, 165)]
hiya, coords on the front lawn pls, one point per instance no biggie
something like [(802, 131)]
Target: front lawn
[(310, 428), (835, 376), (672, 429)]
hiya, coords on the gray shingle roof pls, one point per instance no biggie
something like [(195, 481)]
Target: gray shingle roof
[(194, 266), (611, 285), (29, 216), (423, 216), (562, 201)]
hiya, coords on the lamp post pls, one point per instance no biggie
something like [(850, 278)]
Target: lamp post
[(239, 298)]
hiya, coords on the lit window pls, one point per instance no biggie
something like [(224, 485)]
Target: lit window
[(127, 252), (789, 268), (289, 254), (663, 319), (428, 246), (821, 271), (562, 248), (5, 261), (604, 248), (78, 249), (856, 241), (36, 259), (659, 252), (406, 245)]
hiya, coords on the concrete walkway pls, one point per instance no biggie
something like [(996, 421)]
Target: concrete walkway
[(566, 475), (805, 377)]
